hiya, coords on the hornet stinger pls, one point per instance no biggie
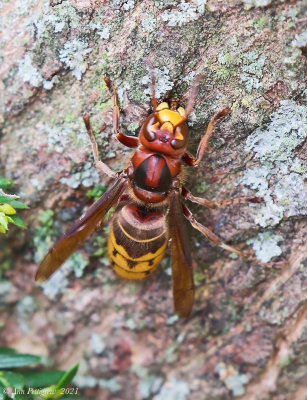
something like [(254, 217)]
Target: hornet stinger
[(149, 194)]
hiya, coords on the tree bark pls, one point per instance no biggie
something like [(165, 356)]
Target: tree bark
[(246, 337)]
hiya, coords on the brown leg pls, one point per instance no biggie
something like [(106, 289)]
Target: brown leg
[(216, 241), (101, 166), (154, 102), (211, 204), (203, 144), (129, 141), (192, 95)]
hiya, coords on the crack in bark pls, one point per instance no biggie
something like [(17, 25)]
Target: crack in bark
[(284, 277), (289, 334)]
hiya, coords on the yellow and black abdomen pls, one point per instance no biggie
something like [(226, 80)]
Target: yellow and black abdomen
[(137, 241)]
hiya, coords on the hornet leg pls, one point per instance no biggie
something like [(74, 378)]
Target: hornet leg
[(203, 144), (192, 95), (101, 166), (216, 241), (154, 101), (129, 141), (220, 204)]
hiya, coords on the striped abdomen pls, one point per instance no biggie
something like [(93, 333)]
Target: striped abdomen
[(137, 241)]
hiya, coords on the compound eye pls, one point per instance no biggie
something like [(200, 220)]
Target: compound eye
[(177, 144), (150, 129), (150, 136), (178, 141)]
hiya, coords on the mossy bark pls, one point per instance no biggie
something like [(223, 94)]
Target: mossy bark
[(246, 337)]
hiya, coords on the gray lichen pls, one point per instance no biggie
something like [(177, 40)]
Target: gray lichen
[(86, 381), (87, 177), (128, 5), (270, 213), (28, 72), (48, 85), (252, 70), (25, 307), (97, 344), (64, 133), (48, 26), (149, 386), (300, 40), (74, 55), (59, 280), (5, 287), (248, 4), (232, 378), (104, 33), (183, 12), (173, 389), (286, 131), (79, 263), (295, 200), (265, 245), (149, 24), (273, 147), (62, 17), (111, 384), (163, 82)]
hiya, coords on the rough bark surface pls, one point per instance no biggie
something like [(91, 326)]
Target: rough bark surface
[(247, 335)]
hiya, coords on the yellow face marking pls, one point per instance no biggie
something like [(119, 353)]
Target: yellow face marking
[(181, 111), (154, 127), (183, 119), (169, 115), (178, 135), (162, 106), (167, 126)]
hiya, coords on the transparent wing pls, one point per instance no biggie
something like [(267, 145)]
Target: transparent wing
[(79, 231)]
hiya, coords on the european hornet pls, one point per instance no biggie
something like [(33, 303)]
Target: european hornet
[(150, 192)]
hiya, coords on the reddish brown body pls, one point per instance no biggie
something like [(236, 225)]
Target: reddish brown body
[(156, 163), (154, 171), (151, 186)]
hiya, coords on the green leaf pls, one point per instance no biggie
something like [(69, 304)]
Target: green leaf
[(42, 379), (15, 360), (3, 220), (46, 217), (13, 379), (68, 376), (7, 209), (2, 230), (18, 204), (7, 350), (96, 192), (5, 184), (1, 391), (198, 277), (18, 221), (7, 199), (2, 395)]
